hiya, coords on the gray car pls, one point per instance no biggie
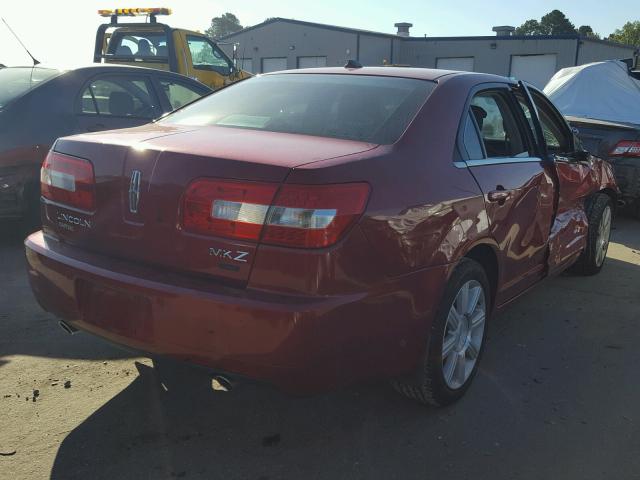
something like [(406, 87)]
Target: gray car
[(39, 104)]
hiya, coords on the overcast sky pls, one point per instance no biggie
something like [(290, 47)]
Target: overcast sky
[(63, 31)]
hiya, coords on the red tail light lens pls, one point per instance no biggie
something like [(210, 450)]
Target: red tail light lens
[(314, 216), (307, 216), (626, 148), (68, 180), (227, 208)]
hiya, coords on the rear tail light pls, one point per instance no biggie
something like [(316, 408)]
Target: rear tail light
[(68, 180), (626, 148), (227, 208), (308, 216)]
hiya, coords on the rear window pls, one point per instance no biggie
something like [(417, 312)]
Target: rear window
[(17, 81), (351, 107)]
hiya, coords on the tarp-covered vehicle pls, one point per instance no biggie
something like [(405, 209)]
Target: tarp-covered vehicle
[(602, 102)]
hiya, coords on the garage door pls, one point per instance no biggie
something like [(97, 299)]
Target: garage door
[(535, 69), (246, 64), (273, 64), (312, 62), (462, 64)]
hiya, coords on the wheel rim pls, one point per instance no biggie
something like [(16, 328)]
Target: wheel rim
[(604, 232), (463, 334)]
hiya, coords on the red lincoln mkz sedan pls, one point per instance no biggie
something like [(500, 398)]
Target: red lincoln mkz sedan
[(316, 227)]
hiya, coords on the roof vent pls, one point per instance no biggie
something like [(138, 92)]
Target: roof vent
[(352, 64), (504, 30), (403, 28)]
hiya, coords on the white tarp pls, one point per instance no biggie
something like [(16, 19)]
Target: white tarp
[(602, 91)]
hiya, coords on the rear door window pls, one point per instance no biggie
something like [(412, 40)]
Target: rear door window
[(121, 96), (180, 94), (556, 133), (471, 140), (498, 125)]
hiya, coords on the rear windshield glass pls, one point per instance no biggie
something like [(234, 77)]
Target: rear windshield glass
[(352, 107), (16, 81)]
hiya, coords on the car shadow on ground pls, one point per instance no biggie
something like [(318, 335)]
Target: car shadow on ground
[(25, 329), (555, 378), (627, 232)]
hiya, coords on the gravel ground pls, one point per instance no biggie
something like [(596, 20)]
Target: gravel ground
[(557, 397)]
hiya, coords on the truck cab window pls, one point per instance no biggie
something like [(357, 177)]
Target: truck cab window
[(138, 44), (206, 56)]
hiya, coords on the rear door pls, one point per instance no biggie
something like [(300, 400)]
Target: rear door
[(574, 180), (518, 190), (109, 101)]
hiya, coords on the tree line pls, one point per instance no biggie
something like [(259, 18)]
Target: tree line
[(553, 23), (557, 23)]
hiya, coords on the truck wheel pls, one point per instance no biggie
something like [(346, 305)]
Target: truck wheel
[(600, 215), (456, 340)]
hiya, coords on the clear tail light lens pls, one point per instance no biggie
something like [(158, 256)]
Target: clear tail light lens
[(69, 181), (227, 208), (314, 216), (305, 216), (626, 148)]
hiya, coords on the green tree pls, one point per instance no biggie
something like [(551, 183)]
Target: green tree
[(587, 31), (223, 25), (530, 27), (557, 23), (629, 34), (553, 23)]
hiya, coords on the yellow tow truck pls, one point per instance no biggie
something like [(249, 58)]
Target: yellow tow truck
[(156, 45)]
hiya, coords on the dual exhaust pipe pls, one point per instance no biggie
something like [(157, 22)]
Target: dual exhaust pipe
[(219, 383)]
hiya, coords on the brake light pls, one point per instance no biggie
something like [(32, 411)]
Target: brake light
[(308, 216), (626, 148), (68, 180)]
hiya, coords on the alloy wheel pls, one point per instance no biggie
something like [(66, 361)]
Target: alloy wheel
[(463, 334), (604, 232)]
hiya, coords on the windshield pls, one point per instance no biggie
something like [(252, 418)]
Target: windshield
[(352, 107), (16, 81)]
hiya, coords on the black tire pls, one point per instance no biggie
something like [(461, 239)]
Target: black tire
[(590, 262), (428, 385)]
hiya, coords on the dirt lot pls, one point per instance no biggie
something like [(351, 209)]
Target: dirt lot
[(557, 397)]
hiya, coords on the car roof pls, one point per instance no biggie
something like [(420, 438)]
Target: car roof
[(431, 74), (96, 66)]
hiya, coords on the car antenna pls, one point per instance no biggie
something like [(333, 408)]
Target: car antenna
[(35, 62)]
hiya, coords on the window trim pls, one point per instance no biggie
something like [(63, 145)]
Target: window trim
[(521, 122)]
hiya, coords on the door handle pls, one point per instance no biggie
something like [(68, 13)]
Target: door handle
[(500, 195)]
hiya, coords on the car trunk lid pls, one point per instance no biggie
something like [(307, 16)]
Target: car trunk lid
[(141, 176)]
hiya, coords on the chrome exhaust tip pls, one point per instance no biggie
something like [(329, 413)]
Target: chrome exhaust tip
[(68, 328)]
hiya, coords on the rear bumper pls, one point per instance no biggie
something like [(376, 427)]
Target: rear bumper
[(299, 343)]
